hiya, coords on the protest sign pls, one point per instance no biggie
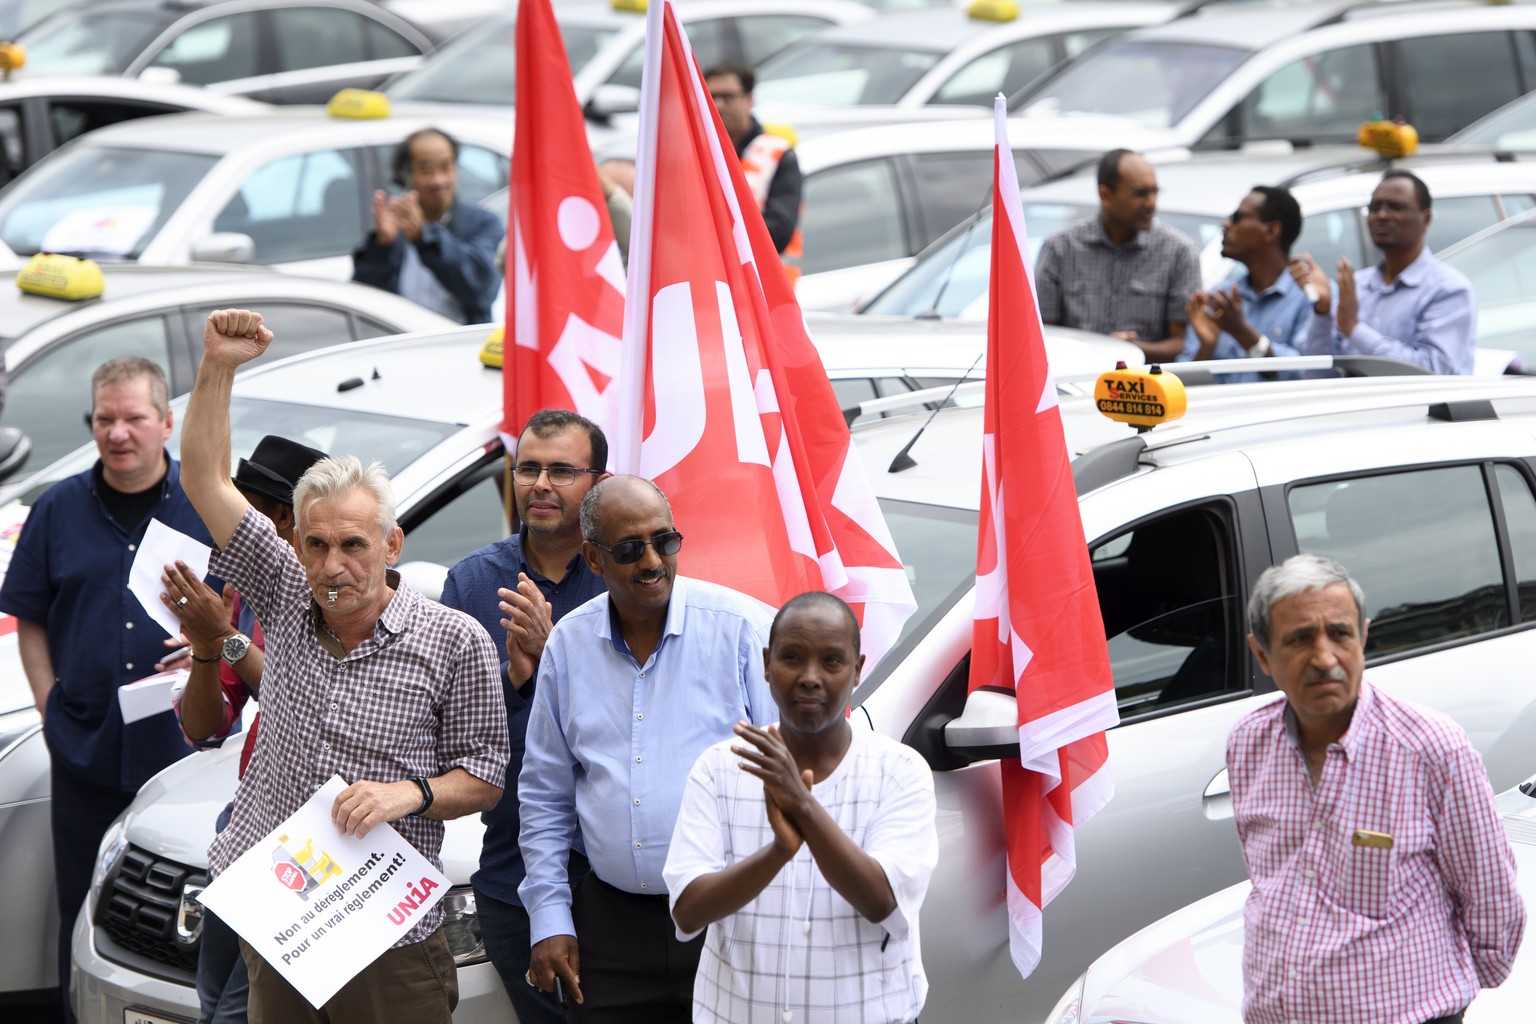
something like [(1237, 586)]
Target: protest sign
[(319, 905)]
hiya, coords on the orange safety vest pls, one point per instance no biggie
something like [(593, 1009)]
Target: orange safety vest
[(759, 163)]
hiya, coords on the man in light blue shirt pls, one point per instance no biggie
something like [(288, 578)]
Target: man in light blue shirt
[(1410, 306), (1263, 312), (632, 687)]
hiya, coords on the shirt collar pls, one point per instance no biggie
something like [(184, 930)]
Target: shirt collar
[(578, 562), (677, 607), (167, 482), (396, 617), (1139, 241), (1359, 722), (1284, 285), (1413, 275)]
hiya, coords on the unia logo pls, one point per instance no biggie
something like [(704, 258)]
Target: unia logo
[(300, 869)]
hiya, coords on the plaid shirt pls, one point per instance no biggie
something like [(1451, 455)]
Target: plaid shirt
[(1084, 280), (421, 697), (1340, 931)]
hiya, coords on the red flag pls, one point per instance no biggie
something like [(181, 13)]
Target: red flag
[(1038, 631), (565, 280), (723, 398)]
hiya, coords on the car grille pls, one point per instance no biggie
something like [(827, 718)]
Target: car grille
[(138, 908)]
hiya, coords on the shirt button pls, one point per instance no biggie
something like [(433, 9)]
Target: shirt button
[(127, 625), (637, 759), (1301, 922), (1318, 823), (334, 705), (640, 718), (645, 885), (637, 803), (642, 675), (1310, 873), (129, 666), (133, 547), (325, 746), (639, 846)]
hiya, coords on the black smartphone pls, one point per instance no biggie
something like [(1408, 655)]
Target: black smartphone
[(559, 992)]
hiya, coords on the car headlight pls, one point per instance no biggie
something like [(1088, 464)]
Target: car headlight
[(1069, 1008), (461, 927), (107, 855)]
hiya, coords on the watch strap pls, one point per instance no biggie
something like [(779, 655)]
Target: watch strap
[(426, 795), (208, 661)]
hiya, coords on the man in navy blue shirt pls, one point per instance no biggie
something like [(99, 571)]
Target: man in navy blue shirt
[(82, 634), (518, 588)]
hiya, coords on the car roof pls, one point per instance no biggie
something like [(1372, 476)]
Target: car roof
[(942, 29), (24, 311), (198, 132), (21, 85)]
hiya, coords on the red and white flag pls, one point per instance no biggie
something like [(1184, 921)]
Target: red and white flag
[(565, 280), (1038, 632), (723, 398)]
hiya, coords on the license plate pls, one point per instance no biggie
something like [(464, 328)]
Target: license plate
[(132, 1016)]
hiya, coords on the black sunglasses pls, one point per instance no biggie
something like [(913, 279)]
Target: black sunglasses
[(632, 550)]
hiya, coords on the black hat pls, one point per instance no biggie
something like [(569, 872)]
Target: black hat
[(274, 468)]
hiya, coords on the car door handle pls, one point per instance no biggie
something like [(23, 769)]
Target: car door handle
[(1217, 800)]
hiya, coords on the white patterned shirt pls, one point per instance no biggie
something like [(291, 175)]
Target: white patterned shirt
[(422, 696), (799, 945), (1387, 894)]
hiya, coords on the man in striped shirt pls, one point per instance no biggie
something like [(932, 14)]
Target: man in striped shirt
[(1383, 884)]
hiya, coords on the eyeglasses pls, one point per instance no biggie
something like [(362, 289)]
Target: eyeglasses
[(527, 474), (726, 97), (632, 550)]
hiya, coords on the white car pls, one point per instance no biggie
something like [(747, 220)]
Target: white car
[(942, 56), (1226, 75), (40, 114), (1500, 261), (292, 190), (282, 51), (1187, 968)]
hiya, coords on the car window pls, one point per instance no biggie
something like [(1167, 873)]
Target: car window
[(1171, 612), (1153, 82), (951, 187), (713, 40), (1006, 69), (1501, 266), (764, 35), (1517, 203), (11, 153), (298, 327), (1074, 43), (313, 37), (50, 396), (98, 199), (842, 74), (1520, 521), (72, 117), (1330, 234), (217, 50), (94, 41), (853, 215), (1324, 96), (465, 517), (1456, 217), (1442, 96), (385, 43), (1422, 546), (299, 207)]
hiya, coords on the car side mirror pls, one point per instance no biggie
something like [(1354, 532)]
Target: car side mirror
[(608, 100), (14, 449), (988, 727), (224, 247), (160, 75)]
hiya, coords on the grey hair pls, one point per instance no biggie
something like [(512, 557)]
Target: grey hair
[(1296, 575), (591, 530), (342, 474)]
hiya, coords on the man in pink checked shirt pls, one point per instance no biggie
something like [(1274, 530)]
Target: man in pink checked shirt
[(1383, 884)]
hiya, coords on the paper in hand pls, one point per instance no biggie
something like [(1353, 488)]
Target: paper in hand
[(160, 547)]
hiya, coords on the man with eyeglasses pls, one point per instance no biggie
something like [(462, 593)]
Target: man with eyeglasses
[(768, 160), (1121, 273), (1263, 312), (1410, 306), (633, 686), (518, 588)]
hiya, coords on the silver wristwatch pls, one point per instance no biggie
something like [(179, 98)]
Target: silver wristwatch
[(234, 648)]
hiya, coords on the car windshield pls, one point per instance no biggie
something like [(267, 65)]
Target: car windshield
[(1152, 82), (395, 441), (98, 200), (938, 551), (480, 66), (951, 279), (93, 41), (1511, 127), (841, 74)]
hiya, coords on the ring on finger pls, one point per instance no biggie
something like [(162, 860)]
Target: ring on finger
[(181, 600), (528, 977)]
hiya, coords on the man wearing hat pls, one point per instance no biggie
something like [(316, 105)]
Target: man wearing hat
[(226, 642)]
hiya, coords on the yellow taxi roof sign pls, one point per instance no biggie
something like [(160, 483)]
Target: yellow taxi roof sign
[(637, 6), (993, 10), (13, 57), (1392, 139), (784, 131), (359, 105), (56, 276), (490, 352), (1143, 397)]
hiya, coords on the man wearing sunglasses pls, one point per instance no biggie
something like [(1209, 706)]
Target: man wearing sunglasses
[(518, 588), (1263, 312), (1121, 273), (633, 686)]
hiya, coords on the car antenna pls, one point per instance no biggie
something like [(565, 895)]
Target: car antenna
[(903, 460), (932, 312)]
